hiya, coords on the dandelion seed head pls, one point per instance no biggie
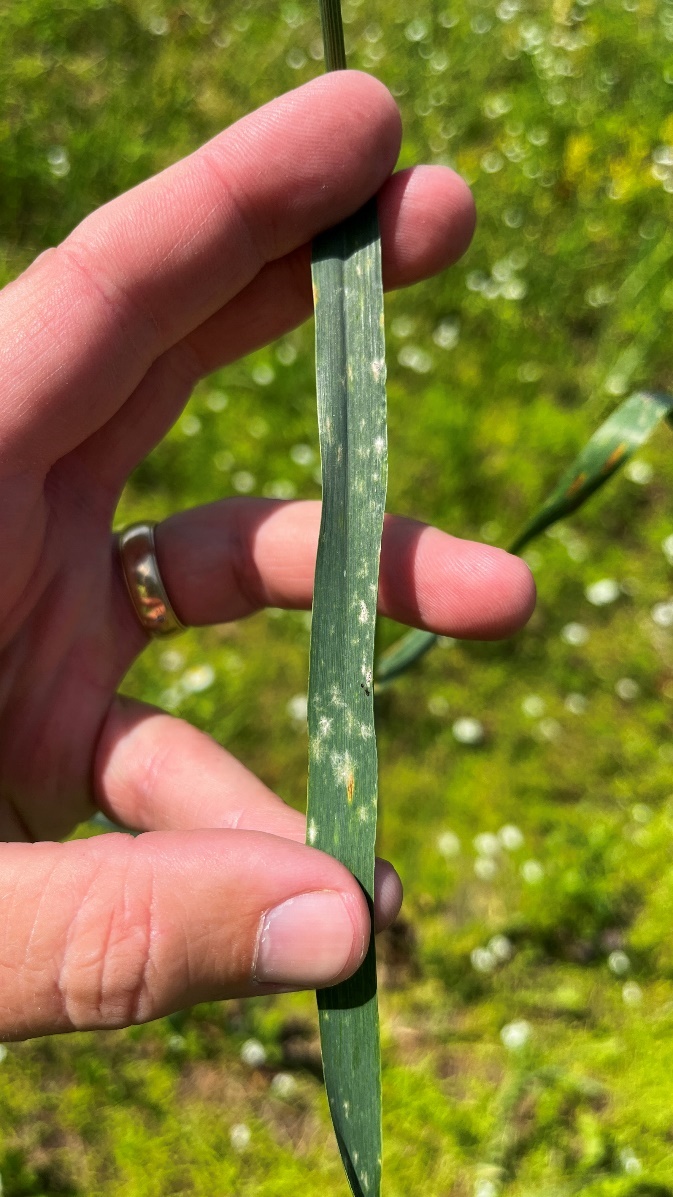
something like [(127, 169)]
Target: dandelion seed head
[(253, 1053), (515, 1035)]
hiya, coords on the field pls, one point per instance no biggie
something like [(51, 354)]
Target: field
[(527, 990)]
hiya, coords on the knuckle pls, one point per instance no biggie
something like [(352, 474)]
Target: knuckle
[(105, 979)]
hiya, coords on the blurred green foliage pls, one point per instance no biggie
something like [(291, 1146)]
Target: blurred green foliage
[(527, 994)]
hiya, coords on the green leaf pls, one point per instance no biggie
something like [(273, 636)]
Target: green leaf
[(342, 782), (624, 431)]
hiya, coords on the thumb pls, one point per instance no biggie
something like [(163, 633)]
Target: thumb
[(112, 931)]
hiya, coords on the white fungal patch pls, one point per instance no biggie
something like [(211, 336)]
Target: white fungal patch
[(312, 832), (365, 731), (379, 368), (364, 613), (324, 726), (363, 814), (342, 767), (379, 446)]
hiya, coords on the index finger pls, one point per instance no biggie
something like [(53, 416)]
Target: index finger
[(82, 326)]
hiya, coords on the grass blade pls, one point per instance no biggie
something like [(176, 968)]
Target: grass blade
[(617, 439), (342, 785)]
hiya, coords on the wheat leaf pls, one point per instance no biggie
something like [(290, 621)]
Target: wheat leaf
[(617, 439), (342, 784)]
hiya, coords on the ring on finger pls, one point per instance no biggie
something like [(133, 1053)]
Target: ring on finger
[(138, 555)]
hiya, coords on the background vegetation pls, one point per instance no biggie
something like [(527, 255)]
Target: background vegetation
[(527, 993)]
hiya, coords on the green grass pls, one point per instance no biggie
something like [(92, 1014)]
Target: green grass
[(561, 306)]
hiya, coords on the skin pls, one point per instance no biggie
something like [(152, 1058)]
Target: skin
[(102, 340)]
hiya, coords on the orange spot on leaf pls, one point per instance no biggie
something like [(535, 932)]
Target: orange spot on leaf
[(576, 484), (615, 457), (350, 788)]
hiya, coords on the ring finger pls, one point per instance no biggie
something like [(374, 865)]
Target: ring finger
[(227, 559)]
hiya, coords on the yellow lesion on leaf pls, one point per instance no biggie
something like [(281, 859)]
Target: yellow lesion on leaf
[(350, 787), (615, 457), (576, 484)]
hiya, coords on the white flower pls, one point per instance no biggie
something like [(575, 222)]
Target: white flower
[(403, 326), (640, 472), (632, 994), (485, 868), (283, 1084), (533, 706), (172, 697), (302, 455), (641, 813), (515, 1035), (511, 837), (575, 634), (297, 708), (253, 1053), (487, 844), (501, 947), (662, 614), (171, 660), (532, 872), (448, 844), (514, 289), (627, 689), (446, 334), (264, 374), (416, 30), (603, 592), (618, 963), (468, 731), (599, 296), (217, 400), (492, 162), (198, 678), (485, 1188), (286, 353), (549, 729), (415, 358), (59, 162), (630, 1162), (240, 1136), (483, 960), (190, 425), (243, 481)]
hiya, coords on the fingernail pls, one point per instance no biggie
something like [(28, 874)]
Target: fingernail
[(307, 941)]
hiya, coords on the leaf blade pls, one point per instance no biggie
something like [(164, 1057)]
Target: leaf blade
[(342, 789)]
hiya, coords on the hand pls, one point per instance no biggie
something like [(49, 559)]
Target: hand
[(102, 340)]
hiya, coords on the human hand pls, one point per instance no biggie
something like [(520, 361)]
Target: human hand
[(102, 340)]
